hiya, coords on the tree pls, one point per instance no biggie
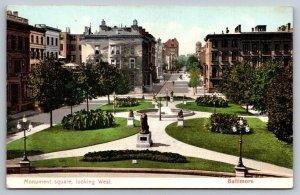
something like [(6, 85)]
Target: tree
[(180, 62), (191, 62), (194, 78), (73, 93), (47, 81), (263, 77), (123, 83), (280, 104), (237, 83)]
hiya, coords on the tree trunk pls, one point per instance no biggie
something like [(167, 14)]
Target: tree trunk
[(51, 123), (247, 108), (108, 100), (71, 109), (87, 103)]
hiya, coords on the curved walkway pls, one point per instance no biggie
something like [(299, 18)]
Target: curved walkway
[(164, 143)]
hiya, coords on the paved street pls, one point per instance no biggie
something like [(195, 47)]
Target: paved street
[(162, 141)]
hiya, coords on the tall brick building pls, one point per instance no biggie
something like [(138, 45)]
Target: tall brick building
[(170, 52), (255, 47)]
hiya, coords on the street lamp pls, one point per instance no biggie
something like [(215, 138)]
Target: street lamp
[(160, 108), (240, 128), (25, 126), (167, 97)]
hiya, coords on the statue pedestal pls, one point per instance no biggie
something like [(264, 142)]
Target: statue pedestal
[(24, 166), (180, 122), (171, 99), (144, 140), (240, 171), (130, 122)]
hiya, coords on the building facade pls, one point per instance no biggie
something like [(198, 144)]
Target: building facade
[(37, 46), (18, 94), (255, 47), (199, 52), (159, 59), (130, 48), (51, 41), (170, 53), (70, 48)]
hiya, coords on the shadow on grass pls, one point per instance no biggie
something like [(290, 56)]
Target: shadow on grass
[(11, 154)]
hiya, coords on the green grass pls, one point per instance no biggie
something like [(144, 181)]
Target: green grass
[(142, 105), (232, 108), (193, 164), (260, 145), (58, 139)]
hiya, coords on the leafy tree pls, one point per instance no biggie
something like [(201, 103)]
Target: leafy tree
[(123, 83), (180, 62), (191, 62), (73, 93), (280, 104), (237, 83), (47, 81), (194, 78), (264, 75), (164, 66)]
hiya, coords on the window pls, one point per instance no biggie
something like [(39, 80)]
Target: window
[(277, 48), (234, 43), (234, 56), (266, 47), (286, 48), (113, 48), (118, 63), (245, 48), (132, 63), (47, 54), (56, 41), (224, 57), (79, 47), (254, 48), (13, 42), (48, 42), (224, 43), (61, 47), (37, 39), (97, 47), (20, 42), (17, 66), (37, 54), (52, 41), (56, 55), (32, 53), (214, 44), (214, 56), (32, 39)]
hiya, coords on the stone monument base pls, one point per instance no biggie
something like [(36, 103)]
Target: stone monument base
[(240, 171), (180, 122), (144, 140), (24, 166), (130, 122)]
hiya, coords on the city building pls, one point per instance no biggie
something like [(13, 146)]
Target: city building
[(200, 52), (159, 58), (70, 48), (37, 46), (18, 94), (51, 41), (255, 47), (170, 52), (131, 48)]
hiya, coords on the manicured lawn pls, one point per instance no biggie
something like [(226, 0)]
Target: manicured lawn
[(232, 108), (193, 164), (261, 145), (57, 139), (142, 105)]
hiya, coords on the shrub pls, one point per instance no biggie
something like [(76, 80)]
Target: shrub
[(83, 120), (223, 123), (114, 155), (209, 101), (126, 102)]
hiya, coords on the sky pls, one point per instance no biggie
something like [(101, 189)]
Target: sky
[(188, 24)]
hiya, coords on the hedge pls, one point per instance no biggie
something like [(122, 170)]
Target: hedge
[(115, 155), (210, 100), (83, 120), (126, 102), (223, 123)]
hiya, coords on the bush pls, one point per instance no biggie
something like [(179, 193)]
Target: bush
[(114, 155), (126, 102), (209, 101), (83, 120), (223, 123)]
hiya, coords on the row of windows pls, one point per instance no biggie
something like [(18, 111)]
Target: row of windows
[(50, 41), (114, 49), (37, 54), (37, 39), (17, 43), (116, 62)]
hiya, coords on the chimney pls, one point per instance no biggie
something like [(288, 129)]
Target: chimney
[(289, 26), (15, 13), (227, 31), (238, 29), (252, 29)]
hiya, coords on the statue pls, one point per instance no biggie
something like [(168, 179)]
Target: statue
[(130, 113), (144, 124), (180, 114)]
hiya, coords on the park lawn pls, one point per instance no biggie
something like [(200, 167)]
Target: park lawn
[(142, 105), (232, 108), (192, 164), (261, 145), (58, 139)]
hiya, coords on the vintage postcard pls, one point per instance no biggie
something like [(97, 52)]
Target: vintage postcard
[(149, 97)]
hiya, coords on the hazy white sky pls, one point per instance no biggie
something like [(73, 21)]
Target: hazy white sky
[(187, 24)]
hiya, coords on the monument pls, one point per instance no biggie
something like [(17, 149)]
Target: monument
[(144, 136), (180, 119), (130, 119)]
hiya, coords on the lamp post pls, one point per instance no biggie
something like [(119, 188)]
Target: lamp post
[(160, 108), (25, 126), (167, 97), (114, 103), (240, 128)]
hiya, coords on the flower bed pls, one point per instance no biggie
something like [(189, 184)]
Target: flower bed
[(126, 102), (210, 100), (83, 120), (114, 155)]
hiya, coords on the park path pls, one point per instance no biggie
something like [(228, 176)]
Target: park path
[(164, 143)]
